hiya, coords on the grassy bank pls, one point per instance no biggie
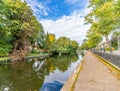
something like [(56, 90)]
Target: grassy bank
[(31, 55), (4, 58)]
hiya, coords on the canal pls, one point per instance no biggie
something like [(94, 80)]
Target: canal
[(49, 74)]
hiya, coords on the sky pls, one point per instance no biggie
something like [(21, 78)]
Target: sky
[(62, 17)]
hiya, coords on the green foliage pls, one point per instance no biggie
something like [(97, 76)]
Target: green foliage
[(73, 45), (64, 45), (104, 18), (5, 35), (93, 39), (61, 45), (114, 39), (116, 34), (114, 44), (107, 48), (5, 46), (18, 26), (4, 50)]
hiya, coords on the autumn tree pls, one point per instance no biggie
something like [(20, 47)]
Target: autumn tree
[(50, 38)]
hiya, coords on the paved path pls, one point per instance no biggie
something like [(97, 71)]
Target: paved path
[(95, 76), (116, 52)]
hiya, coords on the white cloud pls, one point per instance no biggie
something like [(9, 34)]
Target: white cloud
[(70, 26), (38, 7)]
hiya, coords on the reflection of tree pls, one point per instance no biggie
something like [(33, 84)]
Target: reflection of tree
[(30, 76), (62, 62), (74, 57), (21, 77)]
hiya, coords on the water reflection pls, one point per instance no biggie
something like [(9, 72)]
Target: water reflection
[(56, 86), (35, 74)]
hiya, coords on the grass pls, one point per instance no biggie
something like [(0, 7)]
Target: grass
[(36, 54), (29, 55), (3, 58)]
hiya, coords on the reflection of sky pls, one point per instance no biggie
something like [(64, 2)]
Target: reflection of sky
[(35, 74), (58, 76), (56, 86)]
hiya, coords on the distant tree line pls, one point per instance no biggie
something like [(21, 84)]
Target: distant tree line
[(60, 45)]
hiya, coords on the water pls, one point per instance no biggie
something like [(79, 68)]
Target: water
[(38, 75)]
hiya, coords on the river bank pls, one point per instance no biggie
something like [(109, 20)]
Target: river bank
[(37, 75), (29, 56)]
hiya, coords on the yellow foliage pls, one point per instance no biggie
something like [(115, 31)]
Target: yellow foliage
[(51, 37)]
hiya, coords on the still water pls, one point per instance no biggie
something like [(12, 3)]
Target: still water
[(49, 74)]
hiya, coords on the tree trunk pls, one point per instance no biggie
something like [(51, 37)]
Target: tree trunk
[(20, 49), (107, 39)]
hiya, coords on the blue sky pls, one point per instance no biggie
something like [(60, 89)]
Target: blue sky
[(62, 17)]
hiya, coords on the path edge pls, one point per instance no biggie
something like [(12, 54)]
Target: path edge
[(70, 83), (109, 63)]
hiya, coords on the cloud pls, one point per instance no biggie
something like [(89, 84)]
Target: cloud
[(38, 7), (71, 26)]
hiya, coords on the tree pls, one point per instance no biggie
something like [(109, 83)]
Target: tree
[(115, 41), (19, 26), (61, 45), (73, 45), (64, 45), (5, 35), (103, 17), (50, 38)]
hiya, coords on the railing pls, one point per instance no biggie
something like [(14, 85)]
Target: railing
[(113, 58)]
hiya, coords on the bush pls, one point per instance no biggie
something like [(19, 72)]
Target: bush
[(5, 49)]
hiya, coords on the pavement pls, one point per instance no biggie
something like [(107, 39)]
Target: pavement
[(116, 52), (96, 76)]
